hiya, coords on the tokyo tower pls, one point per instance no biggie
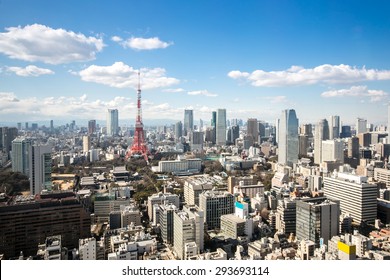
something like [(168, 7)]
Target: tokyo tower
[(138, 148)]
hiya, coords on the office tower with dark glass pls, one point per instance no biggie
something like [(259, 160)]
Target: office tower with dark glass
[(112, 122), (188, 121), (178, 130), (91, 126), (252, 129), (288, 138), (317, 219)]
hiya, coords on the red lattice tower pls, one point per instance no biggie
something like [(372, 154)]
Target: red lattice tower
[(138, 148)]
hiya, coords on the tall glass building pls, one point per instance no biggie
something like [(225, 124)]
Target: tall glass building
[(112, 122), (288, 138), (221, 127), (188, 121)]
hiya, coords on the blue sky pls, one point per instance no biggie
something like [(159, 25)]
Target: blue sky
[(75, 59)]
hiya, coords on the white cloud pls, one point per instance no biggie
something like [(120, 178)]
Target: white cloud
[(54, 46), (120, 75), (174, 90), (116, 39), (296, 75), (8, 97), (357, 91), (145, 43), (30, 71), (202, 92)]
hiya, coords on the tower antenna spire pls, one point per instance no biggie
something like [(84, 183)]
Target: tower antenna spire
[(138, 148)]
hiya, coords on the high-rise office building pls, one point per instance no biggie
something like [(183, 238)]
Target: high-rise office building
[(332, 150), (317, 219), (188, 121), (286, 216), (178, 130), (303, 144), (321, 134), (214, 125), (334, 127), (262, 130), (221, 127), (215, 204), (166, 215), (288, 138), (188, 227), (91, 126), (40, 168), (356, 196), (112, 122), (388, 124), (7, 135), (86, 143), (345, 131), (252, 129), (306, 129), (353, 147), (51, 126), (233, 134), (20, 155), (361, 126), (197, 139)]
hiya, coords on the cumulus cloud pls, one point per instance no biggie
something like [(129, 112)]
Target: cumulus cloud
[(30, 71), (116, 39), (174, 90), (120, 75), (202, 92), (38, 42), (357, 91), (144, 43), (8, 97), (296, 75)]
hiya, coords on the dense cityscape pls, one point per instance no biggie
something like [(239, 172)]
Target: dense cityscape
[(194, 130), (220, 189)]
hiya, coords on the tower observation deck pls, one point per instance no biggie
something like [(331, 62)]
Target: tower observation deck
[(138, 148)]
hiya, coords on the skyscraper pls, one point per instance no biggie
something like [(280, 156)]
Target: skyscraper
[(20, 155), (233, 134), (112, 122), (321, 133), (221, 127), (252, 129), (178, 130), (288, 138), (188, 121), (91, 126), (40, 168), (388, 124), (334, 127), (332, 150), (361, 126), (86, 143), (7, 134), (213, 119)]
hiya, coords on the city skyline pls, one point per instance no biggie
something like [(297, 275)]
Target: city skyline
[(254, 59)]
